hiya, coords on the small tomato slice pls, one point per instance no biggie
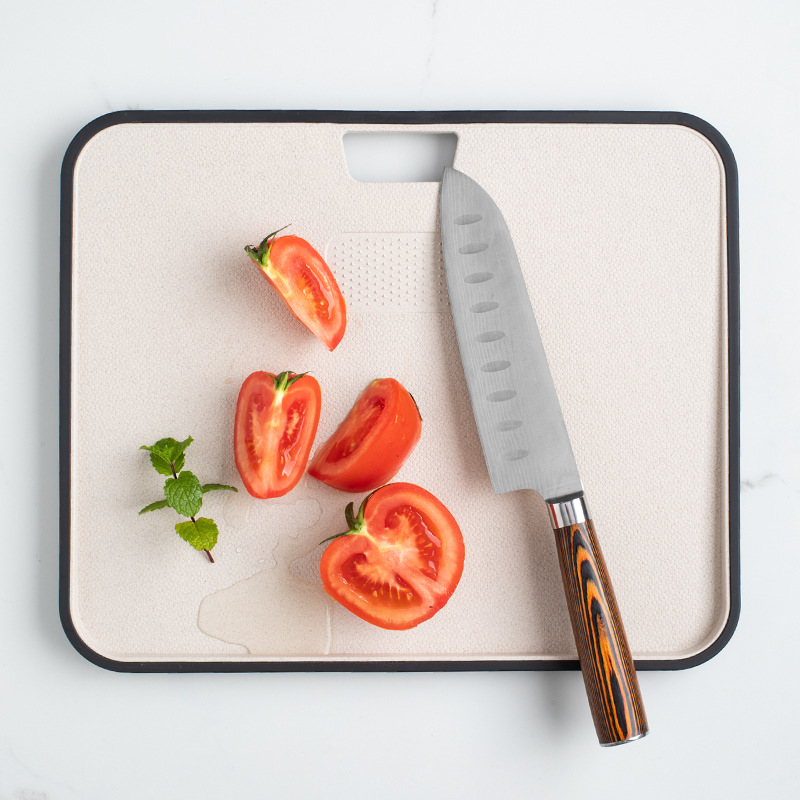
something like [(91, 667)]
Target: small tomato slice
[(400, 561), (304, 281), (373, 441), (276, 422)]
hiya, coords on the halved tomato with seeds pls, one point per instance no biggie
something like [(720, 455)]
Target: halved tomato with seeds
[(304, 281), (400, 560), (276, 422), (373, 441)]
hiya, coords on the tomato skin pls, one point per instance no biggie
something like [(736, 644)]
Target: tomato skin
[(274, 431), (305, 283), (401, 561), (373, 442)]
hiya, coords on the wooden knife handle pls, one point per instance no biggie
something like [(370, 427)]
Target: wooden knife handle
[(605, 658)]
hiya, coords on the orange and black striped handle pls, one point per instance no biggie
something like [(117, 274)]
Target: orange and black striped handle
[(605, 658)]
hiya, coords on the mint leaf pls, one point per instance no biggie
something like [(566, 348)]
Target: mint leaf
[(179, 454), (158, 462), (184, 493), (216, 487), (168, 453), (163, 448), (201, 533), (154, 506)]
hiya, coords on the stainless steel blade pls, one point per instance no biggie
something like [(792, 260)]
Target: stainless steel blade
[(522, 431)]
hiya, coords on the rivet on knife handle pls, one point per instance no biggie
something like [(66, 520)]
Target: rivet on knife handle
[(606, 663)]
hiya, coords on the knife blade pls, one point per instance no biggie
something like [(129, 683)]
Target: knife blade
[(525, 440)]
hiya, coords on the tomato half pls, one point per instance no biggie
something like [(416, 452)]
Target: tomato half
[(400, 561), (276, 422), (305, 283), (373, 441)]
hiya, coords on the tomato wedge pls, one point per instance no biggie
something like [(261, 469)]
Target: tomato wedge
[(373, 441), (301, 277), (276, 422), (399, 562)]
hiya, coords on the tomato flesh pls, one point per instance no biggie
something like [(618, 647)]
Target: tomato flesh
[(373, 441), (317, 293), (274, 430), (367, 416), (290, 443), (400, 563), (299, 274)]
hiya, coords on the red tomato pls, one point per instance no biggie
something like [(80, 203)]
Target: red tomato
[(400, 561), (276, 421), (373, 441), (305, 283)]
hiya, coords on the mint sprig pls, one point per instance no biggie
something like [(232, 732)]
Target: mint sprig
[(183, 492)]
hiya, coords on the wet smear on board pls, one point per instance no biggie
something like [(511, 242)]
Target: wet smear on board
[(282, 610)]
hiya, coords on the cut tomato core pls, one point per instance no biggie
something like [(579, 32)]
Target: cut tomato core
[(422, 548)]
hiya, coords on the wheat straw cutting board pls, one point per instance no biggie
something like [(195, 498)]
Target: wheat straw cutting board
[(627, 221)]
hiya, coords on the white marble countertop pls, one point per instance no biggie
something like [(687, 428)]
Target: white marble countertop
[(69, 730)]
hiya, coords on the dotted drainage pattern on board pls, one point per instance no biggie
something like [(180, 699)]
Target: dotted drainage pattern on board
[(389, 272)]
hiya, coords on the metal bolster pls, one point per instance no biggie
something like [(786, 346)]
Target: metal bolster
[(568, 511)]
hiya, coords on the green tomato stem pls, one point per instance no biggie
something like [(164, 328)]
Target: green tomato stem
[(260, 254), (283, 381)]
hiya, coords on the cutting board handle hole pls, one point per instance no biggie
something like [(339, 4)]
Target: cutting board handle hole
[(396, 157)]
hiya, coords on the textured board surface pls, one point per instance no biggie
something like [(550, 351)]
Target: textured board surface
[(620, 230)]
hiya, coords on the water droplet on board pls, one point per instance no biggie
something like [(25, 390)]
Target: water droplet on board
[(235, 510)]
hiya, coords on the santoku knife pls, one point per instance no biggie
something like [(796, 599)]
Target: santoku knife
[(525, 441)]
